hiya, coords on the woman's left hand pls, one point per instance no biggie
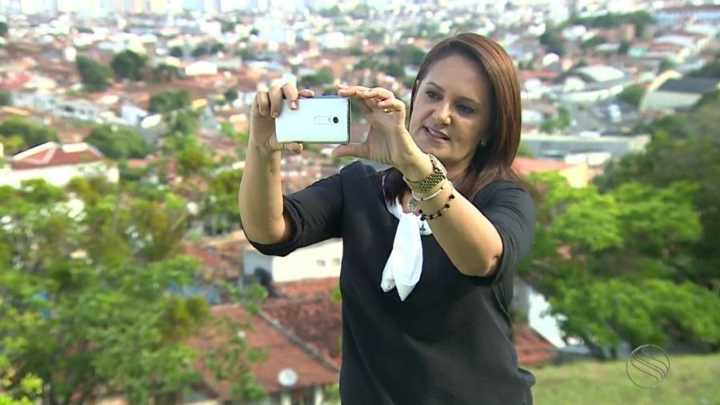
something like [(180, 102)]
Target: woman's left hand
[(388, 141)]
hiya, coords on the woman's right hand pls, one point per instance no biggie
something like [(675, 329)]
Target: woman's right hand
[(267, 107)]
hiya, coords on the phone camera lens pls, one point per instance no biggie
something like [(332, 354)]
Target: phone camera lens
[(336, 120)]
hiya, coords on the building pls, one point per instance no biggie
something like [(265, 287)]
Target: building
[(320, 260), (562, 146), (590, 84), (671, 92), (56, 164)]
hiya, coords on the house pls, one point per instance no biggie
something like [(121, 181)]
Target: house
[(320, 260), (590, 84), (562, 146), (56, 164), (293, 372), (577, 175), (672, 92)]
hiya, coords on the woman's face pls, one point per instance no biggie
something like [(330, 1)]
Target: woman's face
[(451, 113)]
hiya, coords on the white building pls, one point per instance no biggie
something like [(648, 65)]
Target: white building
[(56, 164), (320, 260)]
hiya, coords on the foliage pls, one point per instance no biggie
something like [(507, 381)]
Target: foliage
[(118, 142), (94, 75), (624, 47), (3, 29), (5, 98), (711, 69), (683, 148), (128, 65), (18, 134), (91, 299), (558, 123), (176, 51), (618, 266), (593, 42), (665, 65), (231, 95), (165, 73), (322, 77), (553, 41), (167, 101), (640, 19), (632, 95)]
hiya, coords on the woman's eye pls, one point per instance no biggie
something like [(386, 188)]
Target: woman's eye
[(432, 95), (463, 109)]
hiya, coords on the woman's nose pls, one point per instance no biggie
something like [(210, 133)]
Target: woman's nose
[(442, 114)]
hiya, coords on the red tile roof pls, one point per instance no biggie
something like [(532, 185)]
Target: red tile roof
[(54, 154), (283, 350), (531, 347), (527, 166), (308, 310)]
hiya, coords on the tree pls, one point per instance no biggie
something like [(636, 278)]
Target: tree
[(684, 147), (5, 98), (128, 65), (91, 302), (94, 75), (624, 47), (18, 134), (711, 69), (165, 73), (321, 77), (118, 142), (666, 64), (632, 95), (553, 41), (615, 265), (177, 52), (3, 29), (167, 101), (231, 95)]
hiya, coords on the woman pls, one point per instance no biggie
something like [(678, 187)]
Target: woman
[(425, 298)]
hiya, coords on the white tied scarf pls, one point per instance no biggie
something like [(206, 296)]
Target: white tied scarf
[(404, 266)]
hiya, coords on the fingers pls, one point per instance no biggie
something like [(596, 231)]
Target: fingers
[(351, 149), (262, 103), (291, 95), (307, 93), (293, 147), (276, 101)]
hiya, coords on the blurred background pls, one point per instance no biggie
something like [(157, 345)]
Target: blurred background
[(125, 276)]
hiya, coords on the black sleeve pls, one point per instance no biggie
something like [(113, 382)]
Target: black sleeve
[(512, 211), (315, 215)]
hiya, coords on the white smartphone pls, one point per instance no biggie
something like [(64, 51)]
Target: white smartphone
[(322, 119)]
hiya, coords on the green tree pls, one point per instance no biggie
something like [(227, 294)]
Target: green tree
[(165, 73), (615, 265), (666, 64), (89, 303), (128, 65), (322, 77), (177, 51), (231, 95), (553, 41), (632, 95), (18, 134), (95, 76), (118, 142), (3, 29), (167, 101), (5, 98), (683, 148), (624, 47)]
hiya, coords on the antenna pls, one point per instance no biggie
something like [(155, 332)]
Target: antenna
[(287, 377)]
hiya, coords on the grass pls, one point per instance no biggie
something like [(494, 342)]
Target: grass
[(692, 380)]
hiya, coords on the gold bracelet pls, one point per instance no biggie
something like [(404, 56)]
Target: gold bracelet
[(431, 195)]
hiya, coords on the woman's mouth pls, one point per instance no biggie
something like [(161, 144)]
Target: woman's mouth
[(435, 134)]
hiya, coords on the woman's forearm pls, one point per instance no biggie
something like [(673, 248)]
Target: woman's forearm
[(260, 197)]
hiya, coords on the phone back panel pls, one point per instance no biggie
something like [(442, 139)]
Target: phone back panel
[(317, 120)]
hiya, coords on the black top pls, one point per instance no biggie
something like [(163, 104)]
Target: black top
[(450, 341)]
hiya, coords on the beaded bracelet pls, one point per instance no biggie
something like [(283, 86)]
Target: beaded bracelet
[(439, 212)]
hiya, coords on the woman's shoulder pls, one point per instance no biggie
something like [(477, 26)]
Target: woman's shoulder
[(504, 190)]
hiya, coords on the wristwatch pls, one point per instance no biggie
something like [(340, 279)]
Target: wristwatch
[(431, 182)]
